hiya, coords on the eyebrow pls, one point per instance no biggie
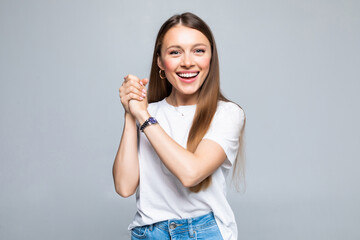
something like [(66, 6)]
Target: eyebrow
[(178, 46)]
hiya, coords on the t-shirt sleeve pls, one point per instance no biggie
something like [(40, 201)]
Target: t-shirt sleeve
[(225, 130)]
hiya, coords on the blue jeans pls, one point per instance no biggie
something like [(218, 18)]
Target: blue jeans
[(198, 228)]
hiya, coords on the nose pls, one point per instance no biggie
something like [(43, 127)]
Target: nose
[(187, 60)]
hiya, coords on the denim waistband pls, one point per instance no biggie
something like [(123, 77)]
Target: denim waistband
[(186, 224)]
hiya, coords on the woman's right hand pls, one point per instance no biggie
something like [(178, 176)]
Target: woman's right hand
[(132, 88)]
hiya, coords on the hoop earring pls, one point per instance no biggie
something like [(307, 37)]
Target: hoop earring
[(160, 74)]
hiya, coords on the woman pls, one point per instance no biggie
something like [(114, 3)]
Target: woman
[(177, 151)]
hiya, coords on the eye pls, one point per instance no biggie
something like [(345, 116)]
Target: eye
[(174, 52), (199, 50)]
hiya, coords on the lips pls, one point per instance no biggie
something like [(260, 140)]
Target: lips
[(188, 76)]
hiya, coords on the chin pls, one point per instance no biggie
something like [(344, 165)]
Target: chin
[(188, 90)]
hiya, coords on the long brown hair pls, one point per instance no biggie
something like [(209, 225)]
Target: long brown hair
[(209, 92)]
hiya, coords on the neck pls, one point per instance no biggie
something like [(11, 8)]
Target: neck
[(177, 99)]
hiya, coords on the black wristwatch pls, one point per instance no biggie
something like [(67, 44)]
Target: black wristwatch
[(148, 122)]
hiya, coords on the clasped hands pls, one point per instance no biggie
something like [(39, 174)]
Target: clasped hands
[(133, 95)]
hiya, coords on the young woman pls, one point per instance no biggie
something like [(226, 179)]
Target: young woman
[(177, 151)]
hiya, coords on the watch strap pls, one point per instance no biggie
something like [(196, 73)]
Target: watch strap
[(148, 122)]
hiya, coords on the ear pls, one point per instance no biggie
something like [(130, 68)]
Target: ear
[(159, 63)]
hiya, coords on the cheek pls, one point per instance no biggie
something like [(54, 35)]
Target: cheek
[(169, 64), (204, 63)]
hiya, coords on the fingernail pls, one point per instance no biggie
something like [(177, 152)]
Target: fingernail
[(144, 91), (143, 94), (141, 98), (141, 83)]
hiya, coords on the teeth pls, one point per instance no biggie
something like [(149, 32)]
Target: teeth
[(187, 75)]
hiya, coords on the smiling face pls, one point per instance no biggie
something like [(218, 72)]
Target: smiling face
[(185, 58)]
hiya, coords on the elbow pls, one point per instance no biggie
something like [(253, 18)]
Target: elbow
[(125, 193), (124, 185), (191, 179), (188, 184)]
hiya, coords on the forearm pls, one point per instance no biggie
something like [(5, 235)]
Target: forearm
[(184, 164), (126, 164), (181, 162)]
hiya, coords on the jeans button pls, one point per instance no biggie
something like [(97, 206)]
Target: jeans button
[(172, 225)]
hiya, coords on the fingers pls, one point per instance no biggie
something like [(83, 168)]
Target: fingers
[(130, 94), (132, 88), (144, 81), (131, 80), (131, 77), (135, 93)]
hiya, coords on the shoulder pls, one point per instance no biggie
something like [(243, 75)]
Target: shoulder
[(229, 110), (226, 128)]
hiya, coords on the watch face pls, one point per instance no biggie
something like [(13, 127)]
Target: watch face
[(152, 120)]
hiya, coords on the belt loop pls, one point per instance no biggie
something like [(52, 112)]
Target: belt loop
[(151, 227), (191, 230)]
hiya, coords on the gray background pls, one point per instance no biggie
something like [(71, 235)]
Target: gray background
[(292, 65)]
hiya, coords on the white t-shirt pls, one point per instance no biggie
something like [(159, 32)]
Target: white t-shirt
[(161, 196)]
